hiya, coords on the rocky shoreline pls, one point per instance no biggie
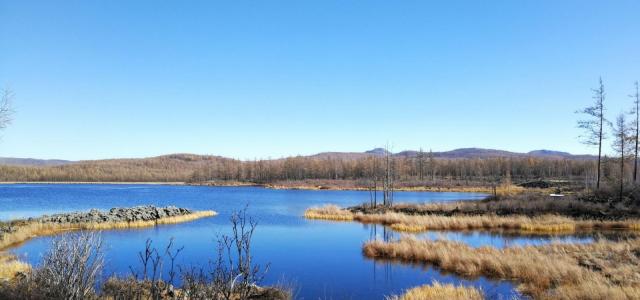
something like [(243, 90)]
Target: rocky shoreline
[(17, 231), (118, 214)]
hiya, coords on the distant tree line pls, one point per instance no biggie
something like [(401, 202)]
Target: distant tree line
[(196, 168)]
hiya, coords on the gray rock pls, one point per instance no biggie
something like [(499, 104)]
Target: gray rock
[(118, 214)]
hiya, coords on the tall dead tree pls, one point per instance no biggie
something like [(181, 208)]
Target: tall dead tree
[(373, 175), (5, 109), (636, 130), (621, 145), (387, 193), (432, 166), (594, 125), (421, 164)]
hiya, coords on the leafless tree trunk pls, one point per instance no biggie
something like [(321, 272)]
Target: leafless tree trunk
[(636, 112), (421, 164), (620, 145), (593, 126), (387, 195), (6, 110)]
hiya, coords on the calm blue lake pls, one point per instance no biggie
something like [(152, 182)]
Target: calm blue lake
[(322, 259)]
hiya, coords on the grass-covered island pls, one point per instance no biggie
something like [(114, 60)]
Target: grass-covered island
[(73, 266), (605, 269)]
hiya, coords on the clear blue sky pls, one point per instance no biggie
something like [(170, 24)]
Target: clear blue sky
[(245, 79)]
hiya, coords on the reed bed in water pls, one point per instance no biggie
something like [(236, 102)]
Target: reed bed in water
[(328, 212), (440, 291), (418, 223), (27, 230), (539, 224), (602, 270)]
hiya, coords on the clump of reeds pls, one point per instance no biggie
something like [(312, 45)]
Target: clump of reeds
[(406, 222), (437, 291), (602, 270), (529, 203), (10, 266), (539, 224), (27, 230), (328, 212)]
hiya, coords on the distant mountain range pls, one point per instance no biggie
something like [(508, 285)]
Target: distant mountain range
[(463, 153), (12, 161)]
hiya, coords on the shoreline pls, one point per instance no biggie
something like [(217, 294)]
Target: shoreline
[(459, 189), (91, 182), (16, 232)]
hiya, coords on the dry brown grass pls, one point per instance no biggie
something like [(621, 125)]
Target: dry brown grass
[(437, 291), (328, 212), (540, 224), (602, 270), (29, 230), (418, 223), (10, 266), (530, 203)]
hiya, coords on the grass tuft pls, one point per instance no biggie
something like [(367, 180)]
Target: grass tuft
[(437, 291), (328, 212), (10, 266)]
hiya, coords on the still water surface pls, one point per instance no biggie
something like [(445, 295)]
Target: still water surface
[(322, 259)]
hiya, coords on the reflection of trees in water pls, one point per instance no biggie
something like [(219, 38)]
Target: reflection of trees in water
[(380, 232), (375, 230)]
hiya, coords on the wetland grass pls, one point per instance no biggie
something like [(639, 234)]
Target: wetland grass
[(602, 270), (328, 212), (10, 266), (490, 222), (438, 291)]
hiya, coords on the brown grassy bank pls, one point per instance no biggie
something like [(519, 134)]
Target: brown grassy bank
[(602, 270), (22, 231), (10, 266), (437, 291), (526, 224), (355, 185), (25, 230), (529, 203)]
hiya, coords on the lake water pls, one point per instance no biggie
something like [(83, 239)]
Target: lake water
[(322, 259)]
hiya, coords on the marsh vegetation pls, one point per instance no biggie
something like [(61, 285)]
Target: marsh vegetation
[(603, 269), (73, 268)]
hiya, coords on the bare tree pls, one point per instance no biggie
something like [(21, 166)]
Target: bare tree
[(594, 125), (235, 274), (6, 110), (621, 145), (636, 128), (421, 164), (389, 174)]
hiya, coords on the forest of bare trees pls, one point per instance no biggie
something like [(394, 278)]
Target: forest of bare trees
[(196, 168)]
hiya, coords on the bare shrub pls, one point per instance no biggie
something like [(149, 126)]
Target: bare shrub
[(70, 270), (147, 282), (233, 275)]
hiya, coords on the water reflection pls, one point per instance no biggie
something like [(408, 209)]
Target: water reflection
[(500, 239)]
